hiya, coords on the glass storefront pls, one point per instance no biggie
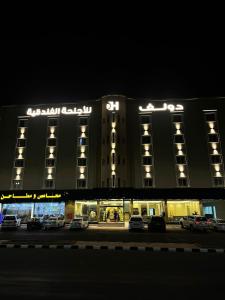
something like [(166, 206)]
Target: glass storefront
[(22, 210), (49, 209), (87, 208), (25, 211), (179, 208), (148, 208)]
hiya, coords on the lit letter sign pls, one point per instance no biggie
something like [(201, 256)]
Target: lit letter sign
[(170, 107), (111, 105), (85, 110)]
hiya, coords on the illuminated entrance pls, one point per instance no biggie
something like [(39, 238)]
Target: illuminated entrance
[(111, 211)]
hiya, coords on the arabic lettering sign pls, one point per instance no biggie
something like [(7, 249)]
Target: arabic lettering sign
[(85, 110), (166, 107), (30, 196), (112, 105)]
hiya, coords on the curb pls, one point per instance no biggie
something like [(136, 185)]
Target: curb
[(115, 248)]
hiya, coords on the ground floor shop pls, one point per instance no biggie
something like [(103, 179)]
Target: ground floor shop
[(115, 210)]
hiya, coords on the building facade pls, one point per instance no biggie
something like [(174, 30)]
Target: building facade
[(113, 154)]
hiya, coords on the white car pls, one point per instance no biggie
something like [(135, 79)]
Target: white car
[(195, 222), (10, 222), (79, 223), (53, 222), (136, 223), (218, 224)]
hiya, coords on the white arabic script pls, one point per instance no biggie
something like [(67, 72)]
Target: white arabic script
[(150, 107), (85, 110)]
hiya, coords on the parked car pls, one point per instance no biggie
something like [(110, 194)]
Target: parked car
[(136, 223), (217, 224), (157, 223), (10, 222), (195, 222), (79, 223), (53, 222), (34, 223)]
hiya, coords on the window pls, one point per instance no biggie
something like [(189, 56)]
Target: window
[(19, 163), (82, 141), (182, 182), (218, 181), (213, 138), (215, 159), (210, 117), (178, 139), (177, 118), (83, 121), (81, 161), (51, 142), (145, 119), (52, 122), (17, 184), (50, 162), (147, 160), (146, 139), (147, 182), (21, 143), (81, 183), (23, 123), (48, 183), (180, 159)]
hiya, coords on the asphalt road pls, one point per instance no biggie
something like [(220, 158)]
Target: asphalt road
[(174, 234), (90, 274)]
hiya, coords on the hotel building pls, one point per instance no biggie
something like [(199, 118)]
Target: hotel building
[(113, 154)]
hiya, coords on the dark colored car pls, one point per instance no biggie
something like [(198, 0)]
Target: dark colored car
[(34, 224), (157, 223)]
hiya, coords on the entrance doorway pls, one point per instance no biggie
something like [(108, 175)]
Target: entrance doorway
[(111, 211)]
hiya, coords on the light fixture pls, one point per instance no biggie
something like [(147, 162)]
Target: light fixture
[(82, 176), (81, 170), (18, 171), (113, 145), (146, 126), (113, 167), (148, 175), (182, 175), (50, 170), (147, 153), (113, 124), (217, 167), (146, 147), (82, 155), (179, 146), (22, 130), (17, 177), (146, 132), (147, 169), (82, 149), (49, 176), (83, 128), (180, 152), (113, 173), (181, 168), (177, 125), (218, 174)]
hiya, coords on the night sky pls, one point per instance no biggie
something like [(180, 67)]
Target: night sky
[(46, 66)]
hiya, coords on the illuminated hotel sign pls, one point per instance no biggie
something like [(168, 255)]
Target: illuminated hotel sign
[(112, 105), (30, 196), (170, 107), (85, 110)]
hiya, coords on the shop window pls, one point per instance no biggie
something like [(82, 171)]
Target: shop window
[(49, 183), (21, 143), (19, 163), (52, 142), (23, 123), (179, 139), (145, 119), (83, 121), (182, 182), (215, 159), (147, 160), (82, 141), (81, 161), (50, 162), (180, 159), (213, 138), (148, 182), (146, 139), (177, 118), (52, 122), (211, 117), (218, 181), (81, 183)]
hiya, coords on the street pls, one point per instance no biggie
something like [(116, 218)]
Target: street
[(174, 234), (89, 274)]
